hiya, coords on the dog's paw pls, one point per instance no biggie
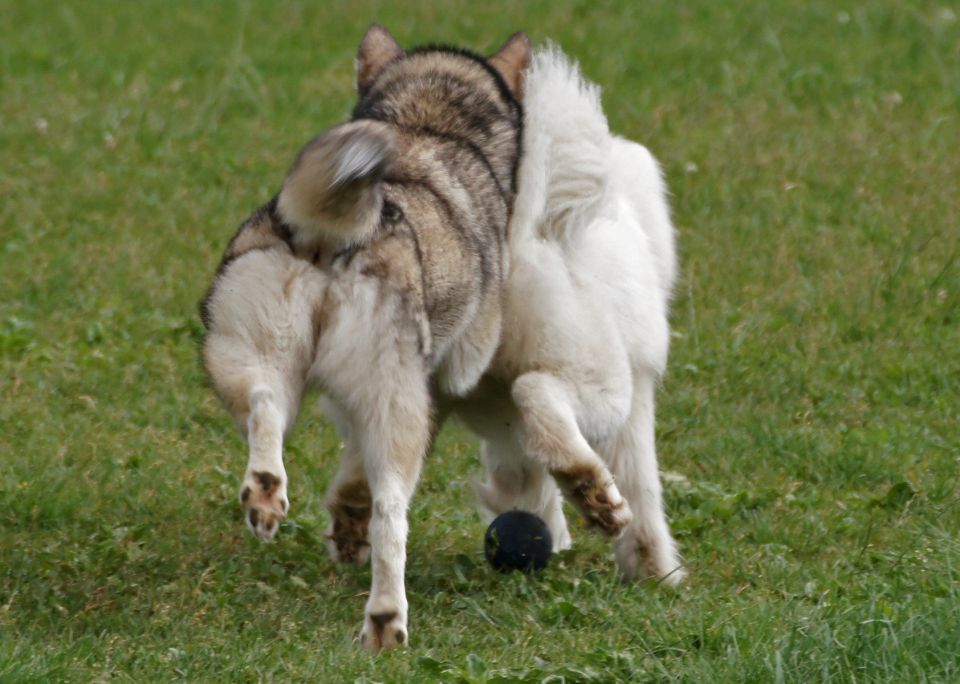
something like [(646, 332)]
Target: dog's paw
[(599, 500), (383, 631), (347, 534), (347, 551), (561, 538), (674, 578), (655, 559), (263, 496)]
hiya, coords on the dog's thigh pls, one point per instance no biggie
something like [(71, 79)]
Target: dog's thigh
[(646, 549)]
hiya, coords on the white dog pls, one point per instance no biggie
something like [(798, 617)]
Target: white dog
[(585, 336)]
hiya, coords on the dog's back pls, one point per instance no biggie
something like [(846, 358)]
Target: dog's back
[(451, 185), (591, 242), (574, 169)]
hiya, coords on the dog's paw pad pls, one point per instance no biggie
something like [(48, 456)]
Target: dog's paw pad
[(383, 631), (599, 500), (263, 496)]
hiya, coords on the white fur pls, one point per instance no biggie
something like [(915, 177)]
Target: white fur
[(585, 318), (260, 354), (358, 160)]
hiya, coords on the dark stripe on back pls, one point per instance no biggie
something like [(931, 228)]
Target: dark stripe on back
[(368, 105), (465, 234), (423, 277), (468, 144), (482, 61), (505, 93), (473, 108)]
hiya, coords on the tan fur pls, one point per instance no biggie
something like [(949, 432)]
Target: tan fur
[(258, 234), (375, 275), (332, 195), (377, 49), (383, 275), (512, 60)]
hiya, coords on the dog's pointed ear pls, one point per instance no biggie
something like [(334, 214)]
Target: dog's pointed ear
[(377, 49), (511, 62)]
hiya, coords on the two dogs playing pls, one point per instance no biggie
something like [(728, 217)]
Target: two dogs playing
[(474, 242)]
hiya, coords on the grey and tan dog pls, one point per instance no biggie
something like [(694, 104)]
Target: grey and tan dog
[(375, 275), (383, 274)]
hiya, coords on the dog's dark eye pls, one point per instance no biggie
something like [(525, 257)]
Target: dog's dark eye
[(391, 212)]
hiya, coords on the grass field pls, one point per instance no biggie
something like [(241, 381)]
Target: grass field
[(810, 419)]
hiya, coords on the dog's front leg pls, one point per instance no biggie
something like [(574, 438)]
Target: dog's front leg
[(263, 493), (393, 445)]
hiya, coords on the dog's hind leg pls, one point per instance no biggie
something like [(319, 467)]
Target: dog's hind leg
[(263, 492), (375, 371), (515, 481), (348, 496), (264, 404), (393, 440), (646, 549), (550, 434)]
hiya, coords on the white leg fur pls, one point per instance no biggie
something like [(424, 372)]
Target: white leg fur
[(646, 549), (372, 369), (551, 434), (392, 446), (257, 352), (263, 493), (514, 481)]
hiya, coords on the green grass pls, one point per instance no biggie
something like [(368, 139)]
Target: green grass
[(811, 411)]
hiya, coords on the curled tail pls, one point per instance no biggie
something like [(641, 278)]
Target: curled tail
[(333, 194), (563, 174)]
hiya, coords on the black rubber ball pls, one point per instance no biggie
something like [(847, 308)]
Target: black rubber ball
[(517, 540)]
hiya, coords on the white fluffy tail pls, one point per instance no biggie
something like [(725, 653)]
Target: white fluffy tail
[(563, 173), (332, 195)]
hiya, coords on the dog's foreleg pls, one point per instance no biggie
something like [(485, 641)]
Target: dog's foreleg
[(551, 434), (393, 445), (263, 493), (348, 496), (646, 549)]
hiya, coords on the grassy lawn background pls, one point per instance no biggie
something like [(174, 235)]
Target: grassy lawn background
[(810, 416)]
